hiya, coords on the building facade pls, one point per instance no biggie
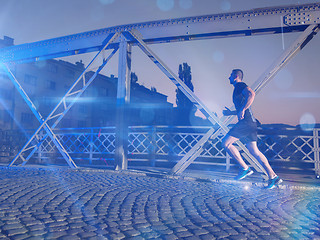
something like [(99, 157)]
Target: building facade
[(46, 82)]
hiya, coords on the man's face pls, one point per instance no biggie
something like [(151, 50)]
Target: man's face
[(232, 77)]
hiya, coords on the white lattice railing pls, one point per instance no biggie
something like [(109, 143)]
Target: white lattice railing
[(286, 145)]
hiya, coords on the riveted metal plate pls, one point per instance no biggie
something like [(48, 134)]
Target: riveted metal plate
[(302, 18)]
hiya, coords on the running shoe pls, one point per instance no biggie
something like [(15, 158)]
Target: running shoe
[(243, 173), (274, 182)]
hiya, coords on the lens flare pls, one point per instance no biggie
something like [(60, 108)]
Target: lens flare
[(165, 5), (225, 5), (218, 56), (284, 80), (307, 122), (106, 2), (185, 4)]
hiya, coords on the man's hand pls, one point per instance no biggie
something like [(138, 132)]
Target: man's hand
[(228, 112), (241, 115)]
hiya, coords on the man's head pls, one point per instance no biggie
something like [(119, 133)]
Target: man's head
[(236, 76)]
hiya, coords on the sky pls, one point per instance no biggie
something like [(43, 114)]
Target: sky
[(291, 98)]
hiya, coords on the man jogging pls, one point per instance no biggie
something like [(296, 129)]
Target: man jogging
[(245, 129)]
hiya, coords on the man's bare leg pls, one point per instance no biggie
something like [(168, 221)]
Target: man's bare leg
[(233, 151), (254, 150)]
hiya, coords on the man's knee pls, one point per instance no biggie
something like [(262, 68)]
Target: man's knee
[(226, 142)]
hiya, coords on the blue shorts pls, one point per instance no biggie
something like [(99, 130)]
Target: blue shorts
[(246, 131)]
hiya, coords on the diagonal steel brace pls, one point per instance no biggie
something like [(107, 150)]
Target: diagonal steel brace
[(38, 116), (65, 106), (193, 98), (266, 77)]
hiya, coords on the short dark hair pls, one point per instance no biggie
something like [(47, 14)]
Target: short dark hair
[(238, 72)]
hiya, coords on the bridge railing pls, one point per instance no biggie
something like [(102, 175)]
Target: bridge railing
[(287, 149)]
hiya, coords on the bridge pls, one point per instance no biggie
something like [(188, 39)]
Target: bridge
[(296, 18)]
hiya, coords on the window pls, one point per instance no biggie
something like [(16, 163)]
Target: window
[(5, 93), (104, 92), (70, 73), (46, 101), (29, 79), (4, 116), (27, 117), (53, 68), (82, 108), (51, 85)]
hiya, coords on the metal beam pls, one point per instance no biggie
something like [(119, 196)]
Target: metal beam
[(271, 20), (123, 98), (53, 137), (265, 78), (193, 98), (76, 90)]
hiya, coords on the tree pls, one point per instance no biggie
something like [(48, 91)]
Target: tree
[(185, 107), (134, 78)]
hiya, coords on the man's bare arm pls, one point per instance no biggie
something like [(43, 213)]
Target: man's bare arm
[(228, 112), (249, 95)]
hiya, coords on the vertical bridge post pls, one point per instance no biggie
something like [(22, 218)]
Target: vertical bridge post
[(123, 98)]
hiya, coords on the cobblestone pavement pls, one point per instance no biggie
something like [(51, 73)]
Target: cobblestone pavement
[(47, 203)]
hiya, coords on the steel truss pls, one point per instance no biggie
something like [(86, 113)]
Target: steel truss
[(302, 40), (76, 90), (296, 18)]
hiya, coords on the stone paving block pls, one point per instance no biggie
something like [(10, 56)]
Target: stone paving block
[(73, 231), (37, 233), (131, 233), (19, 236), (169, 237), (75, 225), (114, 230), (12, 226), (241, 229), (55, 234), (36, 227), (90, 228), (142, 225), (159, 227), (198, 232), (137, 238), (239, 237), (16, 231), (86, 234), (221, 234), (119, 205), (145, 230), (183, 234), (58, 228), (125, 228), (118, 236), (70, 237), (57, 224), (213, 229), (165, 232), (231, 231), (47, 220)]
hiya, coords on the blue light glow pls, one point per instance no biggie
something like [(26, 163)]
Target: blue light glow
[(105, 2), (165, 5), (307, 122), (185, 4), (284, 80), (218, 56), (225, 5)]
